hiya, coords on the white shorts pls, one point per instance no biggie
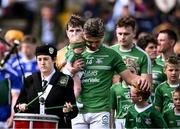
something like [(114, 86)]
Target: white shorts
[(120, 123), (3, 125), (91, 121)]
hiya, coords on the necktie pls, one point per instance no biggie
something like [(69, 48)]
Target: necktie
[(44, 84)]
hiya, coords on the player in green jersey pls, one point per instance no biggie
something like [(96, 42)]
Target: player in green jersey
[(163, 93), (166, 40), (120, 100), (177, 49), (100, 64), (125, 32), (149, 44), (172, 116), (142, 114)]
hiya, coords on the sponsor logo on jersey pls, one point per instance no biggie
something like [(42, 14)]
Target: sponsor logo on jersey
[(90, 73), (170, 105), (155, 75), (171, 122), (165, 95), (127, 95), (91, 80), (99, 61), (148, 121), (105, 120), (131, 119), (178, 122), (126, 107)]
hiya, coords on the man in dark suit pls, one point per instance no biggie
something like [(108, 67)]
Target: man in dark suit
[(60, 93)]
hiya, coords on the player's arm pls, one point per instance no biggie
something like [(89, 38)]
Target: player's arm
[(134, 79)]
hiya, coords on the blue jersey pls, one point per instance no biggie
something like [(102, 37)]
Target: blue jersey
[(9, 82), (28, 66), (10, 74), (12, 59)]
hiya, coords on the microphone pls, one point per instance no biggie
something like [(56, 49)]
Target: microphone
[(42, 105), (16, 43)]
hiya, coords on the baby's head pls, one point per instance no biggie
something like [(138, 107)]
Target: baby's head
[(138, 95), (78, 47)]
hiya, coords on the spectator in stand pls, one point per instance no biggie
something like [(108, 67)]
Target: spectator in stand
[(14, 38), (8, 96), (46, 27), (27, 63), (91, 8), (17, 9)]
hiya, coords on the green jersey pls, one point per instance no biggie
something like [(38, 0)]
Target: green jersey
[(97, 78), (147, 117), (137, 56), (71, 56), (172, 119), (160, 60), (163, 96), (158, 76), (120, 99)]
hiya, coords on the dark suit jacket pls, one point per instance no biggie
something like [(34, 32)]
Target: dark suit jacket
[(61, 92)]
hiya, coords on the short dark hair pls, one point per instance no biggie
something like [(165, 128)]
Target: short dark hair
[(75, 21), (126, 21), (29, 39), (144, 94), (171, 34), (177, 89), (94, 27), (172, 60), (145, 40)]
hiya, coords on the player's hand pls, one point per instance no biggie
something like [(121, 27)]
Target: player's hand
[(22, 107), (142, 82), (78, 65), (67, 107)]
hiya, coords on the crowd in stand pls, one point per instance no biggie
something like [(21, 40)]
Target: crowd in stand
[(121, 58)]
